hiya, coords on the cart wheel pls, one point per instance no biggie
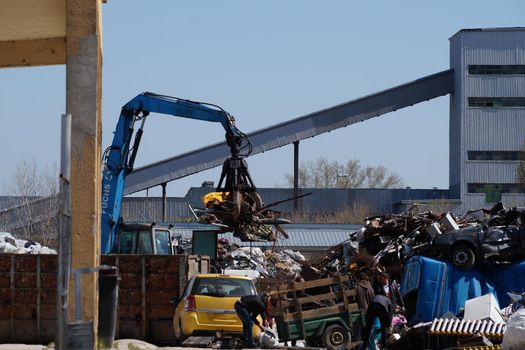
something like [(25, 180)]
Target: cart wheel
[(336, 337), (462, 256)]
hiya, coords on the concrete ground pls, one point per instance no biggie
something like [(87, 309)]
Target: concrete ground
[(120, 344)]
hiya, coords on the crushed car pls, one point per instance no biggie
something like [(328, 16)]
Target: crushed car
[(469, 245)]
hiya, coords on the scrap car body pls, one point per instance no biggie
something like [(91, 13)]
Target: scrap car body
[(469, 245)]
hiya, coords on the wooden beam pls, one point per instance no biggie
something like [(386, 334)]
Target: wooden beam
[(83, 102), (32, 19), (35, 52)]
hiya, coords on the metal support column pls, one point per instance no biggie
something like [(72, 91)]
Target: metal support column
[(296, 176), (164, 203), (64, 234)]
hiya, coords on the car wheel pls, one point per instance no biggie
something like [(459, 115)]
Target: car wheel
[(179, 337), (336, 337), (462, 256)]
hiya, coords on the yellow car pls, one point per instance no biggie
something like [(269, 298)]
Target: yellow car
[(206, 306)]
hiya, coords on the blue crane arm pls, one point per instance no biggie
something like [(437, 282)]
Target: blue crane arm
[(120, 156)]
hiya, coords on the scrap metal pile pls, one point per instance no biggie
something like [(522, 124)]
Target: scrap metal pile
[(246, 217), (281, 264), (484, 240), (495, 235)]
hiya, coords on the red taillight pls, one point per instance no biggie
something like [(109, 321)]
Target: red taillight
[(190, 303)]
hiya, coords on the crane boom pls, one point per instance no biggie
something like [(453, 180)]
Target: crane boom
[(119, 158)]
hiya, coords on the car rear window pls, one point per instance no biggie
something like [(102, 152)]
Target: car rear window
[(222, 287)]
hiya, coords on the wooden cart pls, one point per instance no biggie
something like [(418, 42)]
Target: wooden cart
[(323, 312)]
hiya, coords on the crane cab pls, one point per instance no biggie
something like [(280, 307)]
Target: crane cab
[(144, 239)]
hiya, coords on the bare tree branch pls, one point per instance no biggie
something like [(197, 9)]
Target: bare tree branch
[(322, 173), (28, 184)]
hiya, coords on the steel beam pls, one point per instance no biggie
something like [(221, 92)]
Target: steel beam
[(297, 129)]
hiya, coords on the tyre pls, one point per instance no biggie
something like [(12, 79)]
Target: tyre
[(462, 256), (336, 337), (179, 337)]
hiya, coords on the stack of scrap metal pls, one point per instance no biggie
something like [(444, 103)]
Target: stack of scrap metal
[(283, 264), (495, 235)]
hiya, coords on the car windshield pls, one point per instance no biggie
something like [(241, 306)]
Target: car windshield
[(222, 287)]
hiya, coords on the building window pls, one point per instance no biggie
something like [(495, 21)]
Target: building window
[(496, 102), (496, 69), (493, 191), (496, 155)]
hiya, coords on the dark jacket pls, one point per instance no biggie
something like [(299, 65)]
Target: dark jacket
[(382, 308), (363, 294), (395, 294), (255, 305)]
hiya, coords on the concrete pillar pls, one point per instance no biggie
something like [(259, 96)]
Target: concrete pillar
[(296, 175), (83, 102)]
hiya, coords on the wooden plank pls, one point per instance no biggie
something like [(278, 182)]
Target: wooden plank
[(285, 288), (299, 309), (318, 297), (344, 286), (32, 19), (340, 308), (35, 52)]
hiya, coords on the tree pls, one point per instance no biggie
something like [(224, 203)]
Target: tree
[(36, 200), (321, 173)]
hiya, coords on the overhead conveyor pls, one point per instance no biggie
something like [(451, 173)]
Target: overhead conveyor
[(294, 130)]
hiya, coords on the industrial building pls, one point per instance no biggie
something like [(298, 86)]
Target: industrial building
[(487, 116)]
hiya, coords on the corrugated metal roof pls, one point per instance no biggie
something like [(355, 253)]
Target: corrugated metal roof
[(321, 236), (297, 129)]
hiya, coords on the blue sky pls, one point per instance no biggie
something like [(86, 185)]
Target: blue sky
[(265, 62)]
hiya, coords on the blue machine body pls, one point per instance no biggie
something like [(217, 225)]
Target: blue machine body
[(120, 156), (439, 287), (507, 279)]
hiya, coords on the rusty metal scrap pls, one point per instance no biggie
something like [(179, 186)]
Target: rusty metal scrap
[(389, 240), (244, 214)]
